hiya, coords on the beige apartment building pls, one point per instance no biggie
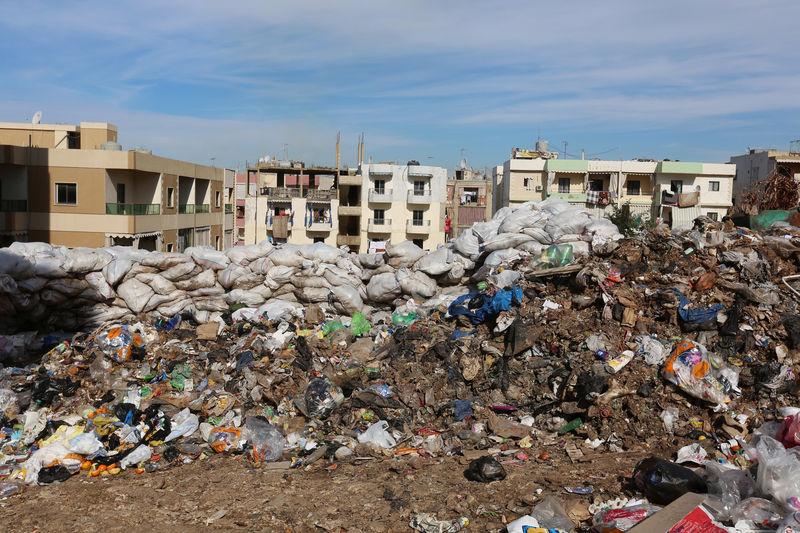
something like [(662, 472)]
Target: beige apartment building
[(759, 163), (469, 200), (74, 185), (362, 209), (676, 191)]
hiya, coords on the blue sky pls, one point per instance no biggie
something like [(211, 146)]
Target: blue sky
[(699, 79)]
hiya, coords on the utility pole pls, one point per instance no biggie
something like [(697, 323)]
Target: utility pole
[(565, 148)]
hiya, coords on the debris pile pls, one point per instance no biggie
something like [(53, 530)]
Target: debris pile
[(671, 346)]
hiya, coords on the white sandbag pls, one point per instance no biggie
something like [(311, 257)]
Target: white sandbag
[(311, 282), (336, 276), (486, 230), (312, 294), (371, 260), (135, 293), (499, 257), (49, 266), (15, 265), (163, 260), (287, 255), (117, 269), (181, 271), (276, 309), (502, 241), (321, 252), (279, 275), (383, 288), (539, 235), (260, 266), (349, 298), (248, 281), (214, 290), (211, 304), (522, 218), (436, 262), (532, 247), (175, 306), (468, 263), (229, 274), (570, 238), (98, 283), (580, 248), (157, 300), (206, 278), (68, 286), (416, 284), (454, 276), (553, 205), (406, 252), (567, 221), (248, 298), (208, 257), (467, 244), (505, 279), (34, 284), (138, 268), (101, 313), (7, 284), (263, 290), (501, 214), (157, 282), (83, 260), (248, 253), (30, 248)]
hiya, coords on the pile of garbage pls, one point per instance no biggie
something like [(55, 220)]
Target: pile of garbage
[(43, 286), (684, 347)]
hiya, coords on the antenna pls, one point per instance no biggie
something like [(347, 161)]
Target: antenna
[(565, 143), (37, 118), (285, 152)]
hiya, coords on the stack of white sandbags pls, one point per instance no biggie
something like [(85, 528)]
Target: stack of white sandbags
[(59, 288)]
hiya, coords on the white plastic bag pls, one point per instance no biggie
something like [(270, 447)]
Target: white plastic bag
[(377, 435)]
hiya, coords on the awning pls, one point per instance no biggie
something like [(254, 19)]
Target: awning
[(787, 159), (134, 235)]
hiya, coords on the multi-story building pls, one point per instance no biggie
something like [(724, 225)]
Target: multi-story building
[(469, 199), (760, 163), (657, 188), (74, 185), (361, 208)]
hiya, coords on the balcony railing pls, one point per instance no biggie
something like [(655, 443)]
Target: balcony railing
[(380, 195), (318, 195), (186, 209), (202, 208), (133, 209), (418, 226), (282, 193), (379, 225), (13, 206), (228, 209), (419, 197)]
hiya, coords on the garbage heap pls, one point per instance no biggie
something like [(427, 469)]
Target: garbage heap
[(52, 287), (662, 344)]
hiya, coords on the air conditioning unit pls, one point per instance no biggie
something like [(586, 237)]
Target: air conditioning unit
[(538, 188)]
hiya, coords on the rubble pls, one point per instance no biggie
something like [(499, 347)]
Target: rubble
[(684, 339)]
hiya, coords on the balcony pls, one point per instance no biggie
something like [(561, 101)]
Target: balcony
[(379, 225), (186, 209), (228, 209), (320, 225), (348, 240), (417, 173), (13, 206), (419, 197), (270, 220), (380, 196), (418, 226), (319, 196), (349, 210), (133, 209), (281, 193), (202, 208)]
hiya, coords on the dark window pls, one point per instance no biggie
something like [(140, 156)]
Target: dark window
[(713, 186), (416, 218), (563, 185), (217, 199), (379, 214), (596, 185), (170, 197), (66, 193), (319, 239), (418, 242), (633, 187), (419, 188), (120, 193), (713, 216), (676, 186), (380, 186)]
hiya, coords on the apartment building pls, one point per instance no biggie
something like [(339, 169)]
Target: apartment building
[(760, 163), (469, 200), (361, 208), (676, 191), (74, 185)]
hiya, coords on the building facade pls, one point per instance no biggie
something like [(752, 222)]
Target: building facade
[(675, 191), (469, 200), (75, 186), (362, 209), (759, 164)]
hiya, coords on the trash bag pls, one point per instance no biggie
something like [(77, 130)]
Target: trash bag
[(557, 255), (697, 318), (485, 469), (404, 319), (700, 374), (359, 325), (120, 343), (378, 435), (490, 305), (266, 441), (551, 514), (761, 512), (321, 398), (622, 519), (331, 326), (789, 432), (778, 472), (663, 481)]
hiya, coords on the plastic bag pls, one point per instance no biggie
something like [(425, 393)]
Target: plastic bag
[(664, 481), (404, 319), (120, 343), (139, 455), (700, 374), (378, 435), (183, 424), (331, 327), (266, 440), (359, 325), (322, 397), (9, 405), (759, 511), (614, 520), (789, 432), (730, 485), (778, 472), (651, 350), (551, 514), (557, 255)]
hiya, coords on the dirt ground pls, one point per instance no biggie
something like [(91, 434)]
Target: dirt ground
[(225, 493)]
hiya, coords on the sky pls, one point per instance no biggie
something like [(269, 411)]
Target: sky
[(229, 82)]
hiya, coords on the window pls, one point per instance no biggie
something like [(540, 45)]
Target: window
[(170, 197), (217, 241), (120, 193), (319, 239), (170, 247), (676, 186), (713, 186), (379, 214), (563, 185), (416, 218), (380, 186), (526, 183), (419, 188), (633, 187), (217, 199), (67, 193), (713, 216), (596, 185), (419, 242)]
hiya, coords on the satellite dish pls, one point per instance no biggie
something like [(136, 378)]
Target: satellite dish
[(37, 118)]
